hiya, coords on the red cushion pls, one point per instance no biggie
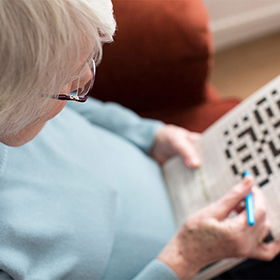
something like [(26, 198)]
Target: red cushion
[(160, 57), (197, 118)]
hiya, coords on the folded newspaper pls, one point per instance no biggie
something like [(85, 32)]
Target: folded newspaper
[(246, 138)]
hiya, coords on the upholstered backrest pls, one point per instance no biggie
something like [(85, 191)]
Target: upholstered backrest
[(160, 58)]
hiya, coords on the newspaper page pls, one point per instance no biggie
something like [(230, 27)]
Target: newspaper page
[(246, 138)]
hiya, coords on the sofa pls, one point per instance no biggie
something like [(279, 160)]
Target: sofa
[(160, 61)]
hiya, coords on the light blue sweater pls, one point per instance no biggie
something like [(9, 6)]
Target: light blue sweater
[(83, 200)]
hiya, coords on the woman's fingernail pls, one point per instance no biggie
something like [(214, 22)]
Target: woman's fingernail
[(247, 178), (196, 161)]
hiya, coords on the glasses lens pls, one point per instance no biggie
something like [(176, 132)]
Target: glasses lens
[(81, 92)]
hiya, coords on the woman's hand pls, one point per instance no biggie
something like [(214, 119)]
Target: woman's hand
[(173, 140), (210, 235)]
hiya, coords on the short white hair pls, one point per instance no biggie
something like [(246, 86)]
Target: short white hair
[(41, 42)]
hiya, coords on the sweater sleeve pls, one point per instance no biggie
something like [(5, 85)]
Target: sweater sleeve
[(156, 270), (119, 120), (4, 276)]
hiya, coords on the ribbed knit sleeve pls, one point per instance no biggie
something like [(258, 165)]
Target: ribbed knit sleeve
[(156, 270), (119, 120)]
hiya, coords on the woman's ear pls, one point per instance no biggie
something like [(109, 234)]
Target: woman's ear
[(66, 89)]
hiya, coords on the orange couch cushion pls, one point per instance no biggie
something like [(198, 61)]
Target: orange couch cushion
[(160, 58), (197, 118)]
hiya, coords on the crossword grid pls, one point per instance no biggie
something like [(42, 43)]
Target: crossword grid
[(253, 142)]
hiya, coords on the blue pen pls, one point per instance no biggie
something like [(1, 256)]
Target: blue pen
[(249, 205)]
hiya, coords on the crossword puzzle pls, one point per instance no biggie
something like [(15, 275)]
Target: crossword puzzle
[(252, 141)]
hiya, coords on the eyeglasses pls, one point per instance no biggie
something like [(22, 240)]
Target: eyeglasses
[(81, 93)]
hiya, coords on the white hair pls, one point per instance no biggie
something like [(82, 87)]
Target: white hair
[(41, 42)]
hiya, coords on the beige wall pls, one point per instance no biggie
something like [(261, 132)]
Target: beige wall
[(237, 21)]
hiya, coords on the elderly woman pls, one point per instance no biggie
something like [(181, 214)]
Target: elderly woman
[(82, 196)]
